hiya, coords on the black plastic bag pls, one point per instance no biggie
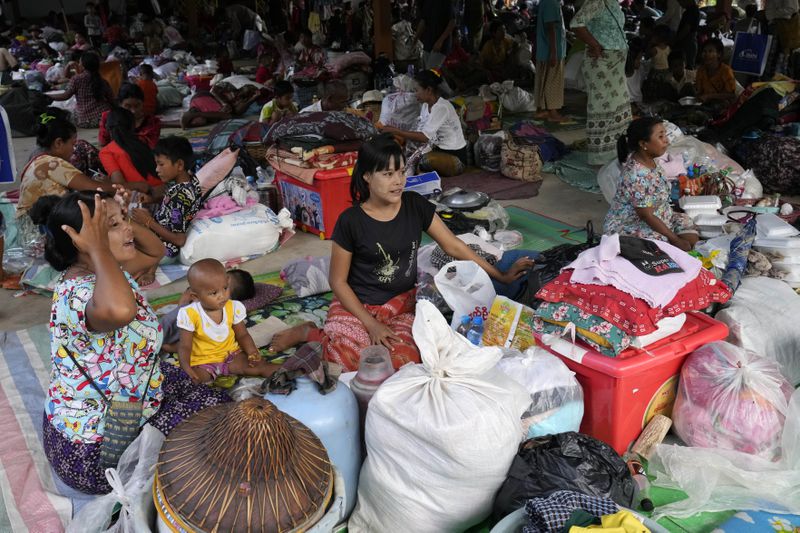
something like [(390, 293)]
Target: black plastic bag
[(549, 264), (567, 461)]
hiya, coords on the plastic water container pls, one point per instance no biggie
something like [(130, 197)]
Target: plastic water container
[(333, 417), (374, 367)]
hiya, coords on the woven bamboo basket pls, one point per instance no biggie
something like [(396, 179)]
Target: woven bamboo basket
[(242, 467), (257, 151)]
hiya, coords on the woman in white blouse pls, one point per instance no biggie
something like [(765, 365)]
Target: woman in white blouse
[(439, 126)]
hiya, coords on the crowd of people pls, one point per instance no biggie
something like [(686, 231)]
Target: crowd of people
[(105, 334)]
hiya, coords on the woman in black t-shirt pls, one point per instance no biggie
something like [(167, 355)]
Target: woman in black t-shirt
[(374, 263)]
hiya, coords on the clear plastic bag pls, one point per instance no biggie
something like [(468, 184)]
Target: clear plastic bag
[(762, 317), (132, 486), (556, 396), (731, 398), (719, 480), (487, 151), (468, 291)]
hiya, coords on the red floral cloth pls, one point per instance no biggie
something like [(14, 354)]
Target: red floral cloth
[(345, 335), (633, 315)]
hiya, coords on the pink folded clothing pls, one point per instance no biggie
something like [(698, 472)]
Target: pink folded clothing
[(603, 265), (222, 205)]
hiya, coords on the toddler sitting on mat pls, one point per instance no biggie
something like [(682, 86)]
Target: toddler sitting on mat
[(214, 340)]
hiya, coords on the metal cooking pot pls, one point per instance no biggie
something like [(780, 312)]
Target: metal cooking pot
[(466, 200)]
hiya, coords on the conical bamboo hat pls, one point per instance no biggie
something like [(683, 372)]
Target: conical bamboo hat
[(245, 467)]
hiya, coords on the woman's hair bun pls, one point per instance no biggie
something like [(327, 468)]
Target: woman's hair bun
[(40, 211)]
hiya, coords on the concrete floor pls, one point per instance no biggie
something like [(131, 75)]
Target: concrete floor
[(555, 199)]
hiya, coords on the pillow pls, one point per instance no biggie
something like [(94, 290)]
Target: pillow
[(308, 276)]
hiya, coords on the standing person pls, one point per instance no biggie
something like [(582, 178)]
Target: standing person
[(92, 22), (686, 37), (782, 16), (474, 18), (374, 263), (93, 94), (672, 15), (551, 50), (7, 61), (436, 24), (441, 128), (600, 24)]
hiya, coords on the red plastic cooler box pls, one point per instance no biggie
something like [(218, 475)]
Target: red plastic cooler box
[(622, 395), (316, 207)]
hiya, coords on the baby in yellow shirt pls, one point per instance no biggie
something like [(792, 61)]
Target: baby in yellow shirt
[(214, 339)]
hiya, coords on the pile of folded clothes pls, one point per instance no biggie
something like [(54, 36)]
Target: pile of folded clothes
[(301, 145), (626, 292)]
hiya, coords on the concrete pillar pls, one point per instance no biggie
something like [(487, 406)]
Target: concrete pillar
[(382, 27)]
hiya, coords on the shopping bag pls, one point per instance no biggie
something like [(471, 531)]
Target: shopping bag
[(750, 53), (251, 39), (467, 289)]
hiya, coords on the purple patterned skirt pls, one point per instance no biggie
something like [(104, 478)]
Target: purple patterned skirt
[(78, 464)]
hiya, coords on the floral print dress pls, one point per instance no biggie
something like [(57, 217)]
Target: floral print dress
[(122, 363), (639, 187)]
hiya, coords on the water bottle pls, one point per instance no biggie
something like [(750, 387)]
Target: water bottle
[(475, 333), (641, 496), (675, 192), (463, 328), (410, 71)]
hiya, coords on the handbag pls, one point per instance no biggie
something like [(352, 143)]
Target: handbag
[(520, 161), (121, 420)]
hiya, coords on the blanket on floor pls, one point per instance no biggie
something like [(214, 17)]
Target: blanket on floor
[(31, 496)]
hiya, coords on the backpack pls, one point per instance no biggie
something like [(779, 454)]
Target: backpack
[(549, 265)]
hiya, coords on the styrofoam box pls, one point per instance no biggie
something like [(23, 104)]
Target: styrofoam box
[(783, 248), (771, 226), (700, 202)]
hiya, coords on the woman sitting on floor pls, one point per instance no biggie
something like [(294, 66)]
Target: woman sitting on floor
[(441, 128), (92, 93), (127, 160), (374, 263), (105, 340), (641, 205), (50, 172), (498, 54), (147, 127)]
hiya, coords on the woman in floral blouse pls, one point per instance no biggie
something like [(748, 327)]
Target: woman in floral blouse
[(641, 205), (105, 340)]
